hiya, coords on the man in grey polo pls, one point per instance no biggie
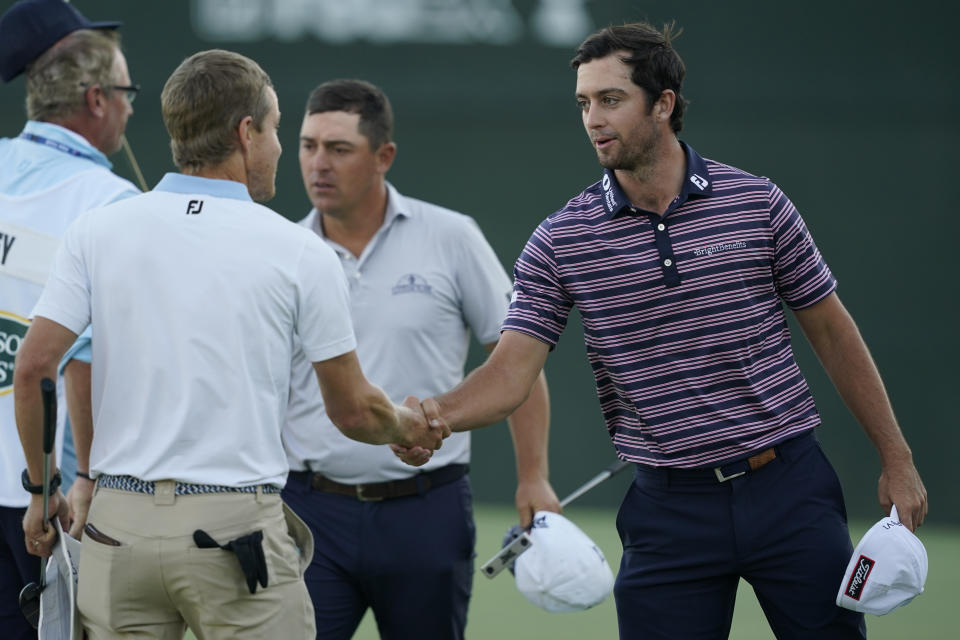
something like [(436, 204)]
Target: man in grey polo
[(421, 277)]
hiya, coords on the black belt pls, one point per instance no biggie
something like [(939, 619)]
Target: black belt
[(412, 486), (737, 468)]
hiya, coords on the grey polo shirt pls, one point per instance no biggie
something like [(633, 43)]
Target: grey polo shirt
[(426, 280)]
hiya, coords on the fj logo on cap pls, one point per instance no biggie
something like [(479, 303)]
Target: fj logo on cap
[(194, 207), (859, 578)]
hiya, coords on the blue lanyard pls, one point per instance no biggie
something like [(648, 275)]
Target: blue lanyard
[(59, 146)]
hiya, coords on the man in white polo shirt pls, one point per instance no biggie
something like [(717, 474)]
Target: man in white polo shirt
[(421, 279), (199, 296)]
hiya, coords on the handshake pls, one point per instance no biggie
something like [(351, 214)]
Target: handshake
[(422, 430)]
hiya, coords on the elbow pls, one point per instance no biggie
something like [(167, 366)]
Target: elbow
[(354, 423), (29, 369)]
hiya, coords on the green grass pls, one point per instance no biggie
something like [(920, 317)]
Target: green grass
[(498, 611)]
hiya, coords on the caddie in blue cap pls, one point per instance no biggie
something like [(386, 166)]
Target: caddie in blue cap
[(78, 102)]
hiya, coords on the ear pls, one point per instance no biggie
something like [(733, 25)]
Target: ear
[(245, 134), (96, 101), (663, 108), (385, 156)]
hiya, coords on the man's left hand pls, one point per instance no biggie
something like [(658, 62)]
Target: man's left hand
[(535, 495), (900, 484)]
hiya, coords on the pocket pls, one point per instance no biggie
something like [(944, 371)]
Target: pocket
[(302, 538), (105, 581)]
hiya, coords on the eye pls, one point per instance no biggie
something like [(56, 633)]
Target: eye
[(609, 100), (582, 105)]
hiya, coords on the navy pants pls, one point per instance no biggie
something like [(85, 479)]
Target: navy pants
[(688, 539), (409, 559), (17, 568)]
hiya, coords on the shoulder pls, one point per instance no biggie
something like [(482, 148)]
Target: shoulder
[(438, 223), (432, 214), (725, 177), (585, 206)]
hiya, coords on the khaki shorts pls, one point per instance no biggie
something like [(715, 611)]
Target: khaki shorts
[(157, 582)]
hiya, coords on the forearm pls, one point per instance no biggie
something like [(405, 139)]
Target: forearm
[(76, 377), (28, 408), (495, 389), (530, 429), (847, 361), (370, 418)]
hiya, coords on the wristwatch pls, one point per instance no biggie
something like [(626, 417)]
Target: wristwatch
[(38, 488)]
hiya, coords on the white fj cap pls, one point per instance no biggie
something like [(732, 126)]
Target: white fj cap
[(58, 600), (563, 570), (887, 570)]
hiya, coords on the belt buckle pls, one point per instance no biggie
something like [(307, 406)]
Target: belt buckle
[(723, 478), (362, 498)]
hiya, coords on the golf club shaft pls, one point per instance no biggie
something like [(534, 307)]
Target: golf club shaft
[(48, 394), (128, 150), (613, 469)]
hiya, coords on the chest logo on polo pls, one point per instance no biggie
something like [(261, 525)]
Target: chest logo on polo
[(12, 330), (412, 283), (720, 248)]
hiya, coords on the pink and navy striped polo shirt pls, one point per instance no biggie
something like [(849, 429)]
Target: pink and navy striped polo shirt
[(682, 314)]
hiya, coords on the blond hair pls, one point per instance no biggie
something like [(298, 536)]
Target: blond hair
[(205, 99)]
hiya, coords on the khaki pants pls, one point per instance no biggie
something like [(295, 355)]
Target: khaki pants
[(158, 582)]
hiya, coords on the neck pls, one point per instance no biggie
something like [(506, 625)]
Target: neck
[(233, 168), (654, 185), (82, 126), (354, 228)]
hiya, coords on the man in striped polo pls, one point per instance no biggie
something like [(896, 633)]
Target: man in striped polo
[(680, 267)]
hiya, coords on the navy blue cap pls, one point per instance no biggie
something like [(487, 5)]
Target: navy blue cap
[(30, 27)]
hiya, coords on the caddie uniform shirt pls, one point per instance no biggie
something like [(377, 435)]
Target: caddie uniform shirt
[(423, 282), (50, 176), (196, 293), (682, 314)]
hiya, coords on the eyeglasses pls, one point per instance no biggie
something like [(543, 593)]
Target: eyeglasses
[(130, 91)]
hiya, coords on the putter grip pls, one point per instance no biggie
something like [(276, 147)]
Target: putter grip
[(48, 393)]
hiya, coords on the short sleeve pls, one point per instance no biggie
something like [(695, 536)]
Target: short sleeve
[(323, 323), (801, 274), (485, 288), (81, 350), (66, 296), (541, 305)]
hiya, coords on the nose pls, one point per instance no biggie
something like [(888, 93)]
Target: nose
[(320, 161), (592, 117)]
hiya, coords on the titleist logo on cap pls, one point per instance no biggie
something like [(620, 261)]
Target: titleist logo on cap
[(859, 578)]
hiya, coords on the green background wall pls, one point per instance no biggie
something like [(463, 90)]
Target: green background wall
[(850, 107)]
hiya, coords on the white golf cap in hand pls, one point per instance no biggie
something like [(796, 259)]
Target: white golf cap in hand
[(887, 570), (563, 570)]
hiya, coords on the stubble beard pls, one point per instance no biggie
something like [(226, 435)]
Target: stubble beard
[(640, 157)]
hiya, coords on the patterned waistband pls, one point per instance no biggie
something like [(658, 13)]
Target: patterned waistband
[(136, 485)]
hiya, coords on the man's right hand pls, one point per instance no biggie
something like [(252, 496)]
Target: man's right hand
[(417, 430), (39, 538), (79, 498)]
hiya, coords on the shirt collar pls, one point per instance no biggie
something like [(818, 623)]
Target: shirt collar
[(696, 183), (397, 207), (67, 137), (182, 183)]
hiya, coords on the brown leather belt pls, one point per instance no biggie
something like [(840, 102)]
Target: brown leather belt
[(373, 491), (786, 449)]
